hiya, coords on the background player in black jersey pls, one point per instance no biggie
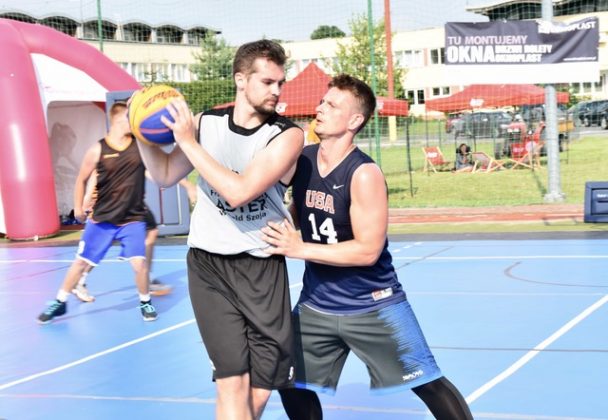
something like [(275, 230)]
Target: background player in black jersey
[(118, 213), (351, 297), (245, 156), (156, 287)]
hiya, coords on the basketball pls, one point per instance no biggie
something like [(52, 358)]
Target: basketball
[(145, 108)]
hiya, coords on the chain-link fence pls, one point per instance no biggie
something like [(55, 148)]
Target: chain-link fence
[(398, 48)]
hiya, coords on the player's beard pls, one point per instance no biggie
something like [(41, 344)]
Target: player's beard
[(264, 107)]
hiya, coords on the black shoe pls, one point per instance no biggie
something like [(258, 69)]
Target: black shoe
[(147, 311), (56, 308)]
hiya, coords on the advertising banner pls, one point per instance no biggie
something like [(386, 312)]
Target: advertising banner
[(522, 52)]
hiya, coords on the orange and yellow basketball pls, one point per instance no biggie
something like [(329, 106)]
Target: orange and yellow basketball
[(146, 106)]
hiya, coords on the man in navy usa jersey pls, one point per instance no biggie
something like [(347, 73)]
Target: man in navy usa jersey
[(351, 297)]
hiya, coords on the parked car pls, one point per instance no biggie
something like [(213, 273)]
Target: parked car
[(452, 118), (592, 112), (521, 131), (483, 124)]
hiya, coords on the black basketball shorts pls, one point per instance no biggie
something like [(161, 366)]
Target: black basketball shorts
[(242, 308)]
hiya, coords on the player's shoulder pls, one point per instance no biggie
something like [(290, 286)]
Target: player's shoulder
[(214, 112), (283, 123)]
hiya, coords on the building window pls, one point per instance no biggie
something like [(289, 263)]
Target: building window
[(410, 58), (411, 99), (420, 96), (136, 33), (196, 36), (437, 55), (90, 30), (436, 91), (169, 35)]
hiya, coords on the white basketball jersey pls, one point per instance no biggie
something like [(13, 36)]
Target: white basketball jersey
[(215, 226)]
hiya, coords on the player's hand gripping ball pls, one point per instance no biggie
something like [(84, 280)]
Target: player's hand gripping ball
[(145, 108)]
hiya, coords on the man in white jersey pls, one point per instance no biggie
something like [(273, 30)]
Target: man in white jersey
[(351, 298), (245, 156)]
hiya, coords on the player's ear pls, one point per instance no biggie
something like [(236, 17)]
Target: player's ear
[(355, 121), (239, 80)]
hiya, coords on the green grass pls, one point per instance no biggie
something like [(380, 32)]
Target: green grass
[(585, 160)]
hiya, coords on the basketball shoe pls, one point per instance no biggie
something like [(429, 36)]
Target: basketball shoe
[(147, 311), (158, 288), (56, 308), (82, 293)]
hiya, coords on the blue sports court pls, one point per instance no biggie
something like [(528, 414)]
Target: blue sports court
[(519, 326)]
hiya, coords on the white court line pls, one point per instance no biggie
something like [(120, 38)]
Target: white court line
[(533, 353), (434, 258), (95, 356), (507, 257), (278, 405)]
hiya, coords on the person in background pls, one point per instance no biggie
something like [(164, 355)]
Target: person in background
[(156, 287), (464, 160), (118, 212)]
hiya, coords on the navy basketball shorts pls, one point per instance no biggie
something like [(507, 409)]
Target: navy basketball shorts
[(243, 311), (97, 238), (389, 341)]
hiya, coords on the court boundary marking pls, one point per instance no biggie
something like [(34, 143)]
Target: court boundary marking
[(278, 405), (95, 355), (522, 361)]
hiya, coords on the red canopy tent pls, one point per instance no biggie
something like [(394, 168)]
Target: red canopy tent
[(477, 96), (301, 95)]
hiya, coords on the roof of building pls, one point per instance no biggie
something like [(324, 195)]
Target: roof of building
[(88, 14)]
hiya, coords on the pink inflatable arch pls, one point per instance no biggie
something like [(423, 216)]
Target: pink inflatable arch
[(26, 173)]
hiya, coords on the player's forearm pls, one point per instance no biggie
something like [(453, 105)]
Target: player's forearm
[(349, 253), (166, 169), (237, 189)]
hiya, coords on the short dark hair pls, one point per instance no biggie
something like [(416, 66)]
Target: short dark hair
[(264, 48), (117, 107), (360, 90)]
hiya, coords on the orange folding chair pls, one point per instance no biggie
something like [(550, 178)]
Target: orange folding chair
[(486, 163), (525, 155), (433, 159)]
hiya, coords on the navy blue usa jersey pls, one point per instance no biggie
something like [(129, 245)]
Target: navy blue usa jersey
[(323, 205)]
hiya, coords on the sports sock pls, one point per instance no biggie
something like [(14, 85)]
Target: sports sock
[(83, 279), (144, 298), (62, 295)]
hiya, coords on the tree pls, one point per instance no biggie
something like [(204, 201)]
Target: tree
[(354, 57), (214, 59), (326, 31)]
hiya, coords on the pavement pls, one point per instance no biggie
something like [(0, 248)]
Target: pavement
[(528, 213), (69, 235)]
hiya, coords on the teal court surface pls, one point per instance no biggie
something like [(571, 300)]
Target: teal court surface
[(519, 326)]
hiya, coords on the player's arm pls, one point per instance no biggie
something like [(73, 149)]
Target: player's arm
[(88, 165), (167, 169), (369, 219), (273, 163)]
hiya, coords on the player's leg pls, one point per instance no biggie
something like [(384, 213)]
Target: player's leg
[(157, 288), (94, 243), (263, 299), (320, 354), (132, 237), (390, 342), (301, 404), (444, 400), (223, 330), (81, 291)]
